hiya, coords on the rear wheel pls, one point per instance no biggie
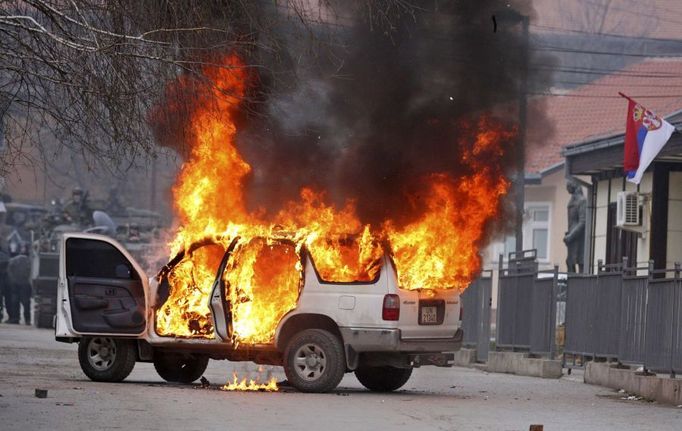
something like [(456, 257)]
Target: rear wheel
[(106, 359), (180, 368), (314, 361), (383, 379)]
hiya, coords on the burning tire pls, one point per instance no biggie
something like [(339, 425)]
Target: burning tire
[(180, 368), (383, 379), (314, 361), (106, 359)]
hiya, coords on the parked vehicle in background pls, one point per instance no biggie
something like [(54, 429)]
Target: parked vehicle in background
[(379, 331)]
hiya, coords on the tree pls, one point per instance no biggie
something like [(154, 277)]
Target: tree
[(88, 71)]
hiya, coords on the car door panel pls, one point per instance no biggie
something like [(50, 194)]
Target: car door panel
[(104, 292), (105, 304)]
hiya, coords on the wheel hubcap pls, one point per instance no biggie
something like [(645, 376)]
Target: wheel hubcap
[(310, 362), (101, 353)]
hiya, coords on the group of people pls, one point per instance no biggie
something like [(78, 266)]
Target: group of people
[(15, 279)]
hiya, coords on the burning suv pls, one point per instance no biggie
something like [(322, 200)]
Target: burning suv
[(260, 299)]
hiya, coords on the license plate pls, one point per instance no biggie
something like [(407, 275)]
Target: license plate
[(429, 315)]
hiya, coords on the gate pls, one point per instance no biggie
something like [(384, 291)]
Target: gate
[(526, 306), (476, 302)]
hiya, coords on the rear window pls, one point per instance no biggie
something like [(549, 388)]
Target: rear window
[(346, 260)]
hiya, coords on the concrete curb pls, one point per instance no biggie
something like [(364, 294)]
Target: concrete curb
[(465, 358), (661, 389), (521, 365)]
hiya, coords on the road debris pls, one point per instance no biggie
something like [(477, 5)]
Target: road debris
[(41, 393)]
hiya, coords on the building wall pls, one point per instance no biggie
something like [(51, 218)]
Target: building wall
[(551, 192), (674, 248), (607, 192)]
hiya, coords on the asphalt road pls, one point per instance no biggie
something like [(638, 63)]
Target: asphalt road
[(438, 399)]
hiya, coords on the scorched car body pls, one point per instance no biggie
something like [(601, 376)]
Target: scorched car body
[(379, 331)]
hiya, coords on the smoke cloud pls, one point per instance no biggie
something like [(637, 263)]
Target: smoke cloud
[(365, 110)]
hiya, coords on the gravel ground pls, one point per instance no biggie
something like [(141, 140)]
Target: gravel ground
[(439, 399)]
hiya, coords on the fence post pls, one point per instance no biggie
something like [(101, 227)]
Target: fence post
[(500, 268), (552, 313), (623, 274), (593, 318), (516, 278), (673, 319), (650, 276)]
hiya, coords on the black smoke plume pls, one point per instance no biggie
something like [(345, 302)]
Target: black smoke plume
[(373, 99)]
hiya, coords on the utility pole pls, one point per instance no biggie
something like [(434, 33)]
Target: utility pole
[(510, 16), (519, 185)]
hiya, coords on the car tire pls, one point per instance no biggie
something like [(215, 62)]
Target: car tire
[(383, 379), (180, 368), (106, 359), (314, 361)]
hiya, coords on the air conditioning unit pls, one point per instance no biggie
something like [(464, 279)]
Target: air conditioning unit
[(628, 209)]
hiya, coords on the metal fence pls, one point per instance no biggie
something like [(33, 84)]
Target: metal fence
[(622, 315), (476, 302), (593, 304), (526, 305), (631, 348), (662, 333)]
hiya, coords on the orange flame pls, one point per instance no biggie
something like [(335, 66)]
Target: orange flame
[(247, 384), (262, 282)]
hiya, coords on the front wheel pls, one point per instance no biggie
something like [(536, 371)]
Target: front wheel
[(383, 379), (106, 359), (314, 361), (180, 368)]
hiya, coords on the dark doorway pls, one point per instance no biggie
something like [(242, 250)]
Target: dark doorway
[(619, 243)]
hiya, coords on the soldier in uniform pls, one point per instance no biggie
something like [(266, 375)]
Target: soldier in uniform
[(575, 236), (77, 210), (114, 205)]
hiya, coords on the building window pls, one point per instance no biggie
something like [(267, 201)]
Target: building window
[(509, 245), (536, 229)]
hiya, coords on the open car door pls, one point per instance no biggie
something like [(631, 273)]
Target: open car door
[(102, 290)]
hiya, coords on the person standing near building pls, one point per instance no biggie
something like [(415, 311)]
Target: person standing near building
[(19, 275), (5, 291)]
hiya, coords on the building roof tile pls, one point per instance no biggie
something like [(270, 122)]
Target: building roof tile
[(595, 109)]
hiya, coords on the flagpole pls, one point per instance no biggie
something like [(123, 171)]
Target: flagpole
[(627, 97)]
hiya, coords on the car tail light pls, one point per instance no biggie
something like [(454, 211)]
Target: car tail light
[(391, 310)]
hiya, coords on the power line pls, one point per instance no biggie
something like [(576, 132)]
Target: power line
[(599, 84), (609, 72), (610, 35), (599, 96), (594, 52)]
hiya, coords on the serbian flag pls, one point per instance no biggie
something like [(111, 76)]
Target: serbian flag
[(645, 136)]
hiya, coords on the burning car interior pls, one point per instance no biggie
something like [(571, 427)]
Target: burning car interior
[(259, 280)]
